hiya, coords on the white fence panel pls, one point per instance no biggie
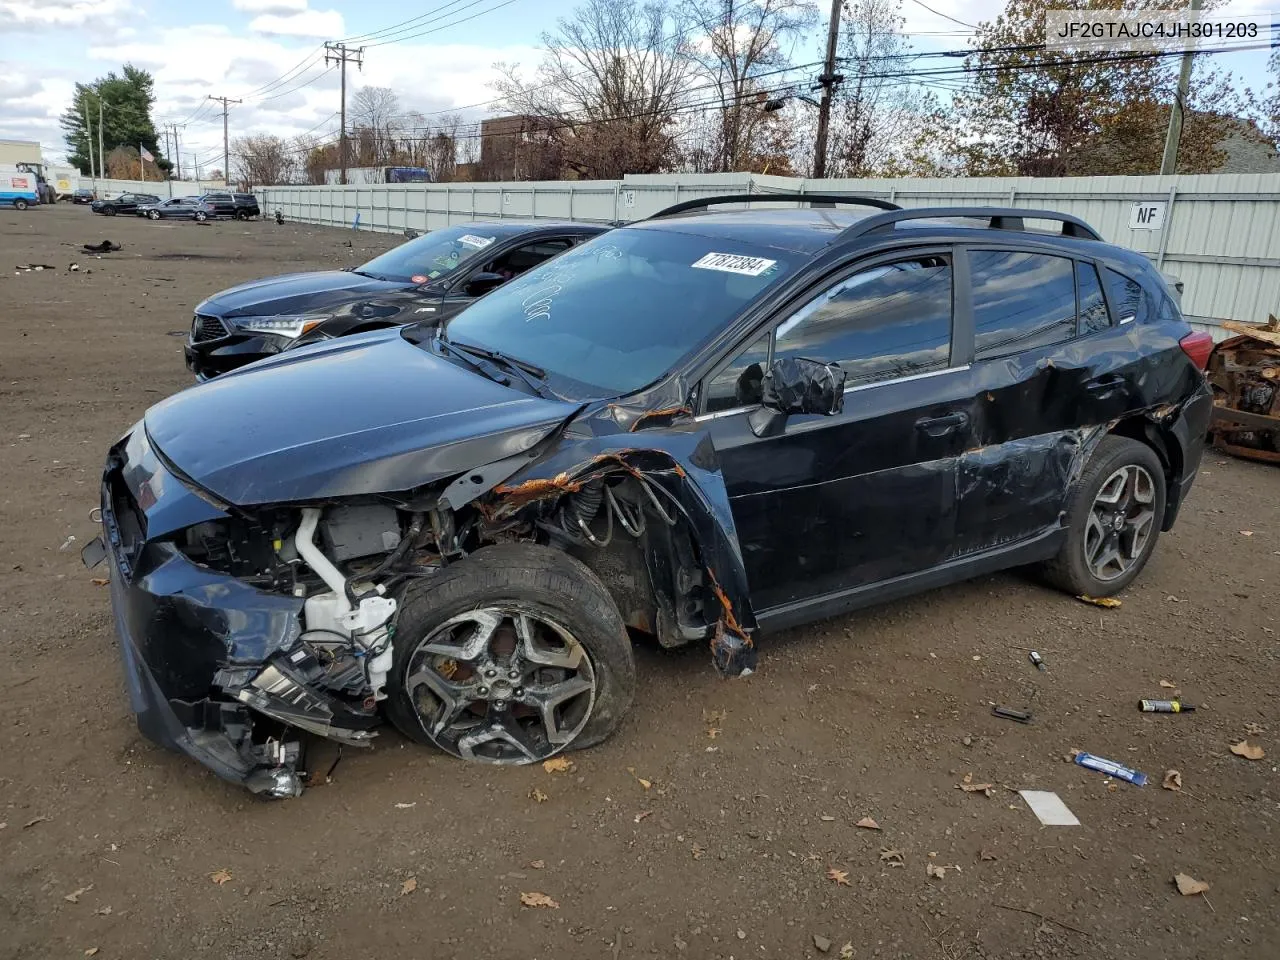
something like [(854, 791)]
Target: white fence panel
[(1219, 235)]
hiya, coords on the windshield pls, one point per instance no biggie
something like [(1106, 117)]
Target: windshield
[(430, 256), (619, 311)]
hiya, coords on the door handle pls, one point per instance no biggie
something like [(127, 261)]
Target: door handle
[(1105, 385), (944, 425)]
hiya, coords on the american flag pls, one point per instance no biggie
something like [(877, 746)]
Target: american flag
[(146, 154)]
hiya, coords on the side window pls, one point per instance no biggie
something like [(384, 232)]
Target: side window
[(1020, 301), (517, 261), (1093, 308), (738, 384), (887, 321), (1128, 300)]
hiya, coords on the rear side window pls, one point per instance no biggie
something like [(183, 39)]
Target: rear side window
[(1129, 302), (1093, 308), (1021, 301), (888, 321)]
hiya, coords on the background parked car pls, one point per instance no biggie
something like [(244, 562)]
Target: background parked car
[(177, 208), (241, 206), (83, 195), (428, 279), (125, 203)]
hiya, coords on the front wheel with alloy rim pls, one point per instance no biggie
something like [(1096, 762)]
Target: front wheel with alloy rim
[(153, 214), (1113, 520), (510, 656)]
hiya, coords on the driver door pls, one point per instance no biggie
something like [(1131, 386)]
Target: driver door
[(831, 504)]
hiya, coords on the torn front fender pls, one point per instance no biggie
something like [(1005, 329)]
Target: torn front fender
[(683, 465)]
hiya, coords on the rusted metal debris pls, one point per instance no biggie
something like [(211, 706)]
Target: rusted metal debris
[(1245, 374), (665, 416)]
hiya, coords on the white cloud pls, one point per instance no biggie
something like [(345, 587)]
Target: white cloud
[(307, 23), (62, 13), (270, 6)]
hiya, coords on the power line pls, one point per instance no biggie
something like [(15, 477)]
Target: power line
[(939, 13), (375, 34), (445, 26)]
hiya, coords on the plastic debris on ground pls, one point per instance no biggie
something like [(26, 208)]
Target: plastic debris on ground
[(1049, 808)]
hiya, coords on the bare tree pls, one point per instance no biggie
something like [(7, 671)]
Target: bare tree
[(605, 94), (375, 117), (878, 108), (313, 157), (742, 39), (263, 159)]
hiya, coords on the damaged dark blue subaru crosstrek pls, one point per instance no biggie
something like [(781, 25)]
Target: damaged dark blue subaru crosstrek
[(696, 427)]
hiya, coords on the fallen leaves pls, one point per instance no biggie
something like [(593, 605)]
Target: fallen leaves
[(866, 823), (1246, 533), (937, 870), (968, 786), (74, 895), (642, 814), (1109, 603), (408, 886), (697, 851), (639, 779), (537, 796), (839, 877), (33, 822), (1250, 751), (537, 864), (92, 951), (220, 876), (894, 858), (1189, 886), (1168, 685), (103, 911), (985, 854), (846, 952), (99, 582), (1172, 780), (558, 765), (535, 899)]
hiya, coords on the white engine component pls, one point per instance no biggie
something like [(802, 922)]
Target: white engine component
[(365, 625)]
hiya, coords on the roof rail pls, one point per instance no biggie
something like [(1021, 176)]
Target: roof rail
[(821, 198), (998, 218)]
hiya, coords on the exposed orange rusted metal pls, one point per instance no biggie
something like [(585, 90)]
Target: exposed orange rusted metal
[(667, 413), (730, 619)]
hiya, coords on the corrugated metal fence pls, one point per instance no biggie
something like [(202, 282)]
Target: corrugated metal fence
[(1219, 234), (164, 189)]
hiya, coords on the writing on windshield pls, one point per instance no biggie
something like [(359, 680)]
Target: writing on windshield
[(429, 257)]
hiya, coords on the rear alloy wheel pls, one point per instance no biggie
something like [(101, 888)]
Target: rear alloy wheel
[(201, 216), (510, 656), (1113, 520)]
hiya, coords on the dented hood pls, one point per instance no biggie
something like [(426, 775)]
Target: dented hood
[(296, 293), (359, 415)]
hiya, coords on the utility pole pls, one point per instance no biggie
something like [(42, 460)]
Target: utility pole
[(102, 156), (339, 54), (176, 156), (1168, 165), (88, 138), (168, 152), (226, 143), (828, 82)]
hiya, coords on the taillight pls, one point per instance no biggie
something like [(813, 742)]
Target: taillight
[(1197, 346)]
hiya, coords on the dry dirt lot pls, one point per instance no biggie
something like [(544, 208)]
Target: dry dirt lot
[(709, 825)]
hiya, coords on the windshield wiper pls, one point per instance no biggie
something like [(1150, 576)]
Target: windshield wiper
[(497, 376), (533, 375), (361, 273)]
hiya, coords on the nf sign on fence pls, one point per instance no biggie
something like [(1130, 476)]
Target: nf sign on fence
[(1148, 215)]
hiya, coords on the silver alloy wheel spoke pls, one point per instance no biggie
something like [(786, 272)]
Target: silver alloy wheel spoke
[(526, 687), (1120, 522), (549, 697)]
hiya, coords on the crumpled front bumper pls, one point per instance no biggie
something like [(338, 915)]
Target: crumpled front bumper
[(205, 655)]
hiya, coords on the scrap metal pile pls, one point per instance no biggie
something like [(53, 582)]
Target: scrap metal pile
[(1245, 374)]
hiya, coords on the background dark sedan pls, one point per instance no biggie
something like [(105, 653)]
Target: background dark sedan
[(429, 279), (179, 208), (125, 203), (83, 195)]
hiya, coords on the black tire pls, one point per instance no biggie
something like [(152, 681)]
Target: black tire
[(534, 577), (153, 214), (108, 211), (242, 215), (19, 204), (1069, 570)]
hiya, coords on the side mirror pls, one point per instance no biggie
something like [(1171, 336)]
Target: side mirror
[(483, 282), (796, 385)]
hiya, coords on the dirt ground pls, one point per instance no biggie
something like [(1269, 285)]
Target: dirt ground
[(708, 826)]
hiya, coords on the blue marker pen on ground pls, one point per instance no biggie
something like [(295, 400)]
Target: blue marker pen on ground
[(1111, 768)]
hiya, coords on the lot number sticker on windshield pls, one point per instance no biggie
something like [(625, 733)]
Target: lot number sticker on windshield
[(735, 263), (474, 241)]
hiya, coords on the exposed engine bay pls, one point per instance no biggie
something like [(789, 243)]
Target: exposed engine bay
[(300, 606)]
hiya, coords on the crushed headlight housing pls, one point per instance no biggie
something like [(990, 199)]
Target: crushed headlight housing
[(285, 326)]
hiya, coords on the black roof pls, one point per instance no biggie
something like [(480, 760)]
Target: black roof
[(796, 229)]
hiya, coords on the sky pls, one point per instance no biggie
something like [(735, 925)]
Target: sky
[(267, 53)]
